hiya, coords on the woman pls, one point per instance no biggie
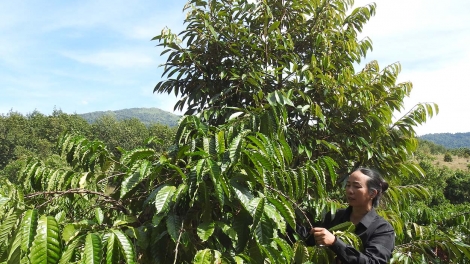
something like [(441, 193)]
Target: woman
[(364, 188)]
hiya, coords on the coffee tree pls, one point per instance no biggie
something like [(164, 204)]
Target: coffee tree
[(234, 53)]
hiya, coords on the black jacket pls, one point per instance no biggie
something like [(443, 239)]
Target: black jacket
[(376, 234)]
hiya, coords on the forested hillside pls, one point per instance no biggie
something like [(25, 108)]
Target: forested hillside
[(147, 116), (36, 135), (449, 140)]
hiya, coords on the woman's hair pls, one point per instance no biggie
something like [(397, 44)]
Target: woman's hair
[(375, 182)]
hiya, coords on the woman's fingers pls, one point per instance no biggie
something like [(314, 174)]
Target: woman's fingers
[(322, 236), (319, 234)]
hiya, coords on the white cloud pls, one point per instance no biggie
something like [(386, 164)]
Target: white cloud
[(430, 40), (116, 59), (448, 87)]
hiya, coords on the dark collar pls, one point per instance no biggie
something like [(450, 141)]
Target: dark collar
[(366, 220)]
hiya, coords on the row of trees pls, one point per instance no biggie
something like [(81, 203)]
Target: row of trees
[(35, 134), (276, 118), (434, 149)]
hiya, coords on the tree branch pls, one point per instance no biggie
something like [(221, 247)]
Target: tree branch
[(178, 242), (292, 201), (105, 197)]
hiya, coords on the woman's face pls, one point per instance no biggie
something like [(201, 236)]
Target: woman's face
[(357, 192)]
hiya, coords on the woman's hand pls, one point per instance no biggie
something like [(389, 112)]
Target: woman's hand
[(322, 236)]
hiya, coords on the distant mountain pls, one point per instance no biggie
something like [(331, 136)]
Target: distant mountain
[(145, 115), (449, 140)]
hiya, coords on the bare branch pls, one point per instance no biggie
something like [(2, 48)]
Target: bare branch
[(111, 176), (103, 196), (178, 242)]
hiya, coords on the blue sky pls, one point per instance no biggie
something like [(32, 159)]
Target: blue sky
[(83, 56)]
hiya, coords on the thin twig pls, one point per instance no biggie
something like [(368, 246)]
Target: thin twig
[(114, 175), (78, 191), (293, 202), (178, 242), (46, 202)]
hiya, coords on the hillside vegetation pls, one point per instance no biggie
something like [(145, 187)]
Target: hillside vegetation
[(36, 134), (449, 140), (147, 116)]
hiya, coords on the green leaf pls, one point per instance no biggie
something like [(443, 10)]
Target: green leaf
[(257, 158), (180, 193), (28, 229), (178, 169), (127, 248), (464, 248), (240, 225), (3, 201), (264, 231), (46, 246), (137, 154), (124, 220), (235, 146), (214, 171), (69, 251), (139, 172), (256, 208), (93, 249), (275, 216), (205, 230), (129, 183), (69, 232), (284, 209), (163, 198), (211, 29), (15, 249), (230, 232), (272, 100), (173, 224), (274, 26), (8, 225), (301, 253), (209, 146), (242, 193), (273, 254), (112, 248), (204, 257), (346, 226), (286, 150), (60, 217), (286, 249), (99, 216), (220, 142)]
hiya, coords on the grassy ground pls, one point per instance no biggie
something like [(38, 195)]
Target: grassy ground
[(456, 163)]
